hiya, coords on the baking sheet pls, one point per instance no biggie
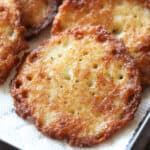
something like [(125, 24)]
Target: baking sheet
[(24, 135)]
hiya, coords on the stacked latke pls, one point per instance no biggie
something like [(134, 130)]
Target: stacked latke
[(11, 37), (128, 20), (15, 16), (80, 85), (37, 14)]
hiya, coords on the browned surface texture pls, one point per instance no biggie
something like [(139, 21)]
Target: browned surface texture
[(81, 86), (37, 14), (11, 37), (128, 20)]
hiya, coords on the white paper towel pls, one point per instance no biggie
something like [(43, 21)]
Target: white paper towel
[(24, 135)]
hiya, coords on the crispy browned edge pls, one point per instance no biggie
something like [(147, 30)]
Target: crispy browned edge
[(36, 29), (24, 110), (11, 53), (143, 62)]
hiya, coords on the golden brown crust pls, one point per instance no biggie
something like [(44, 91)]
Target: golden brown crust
[(37, 14), (128, 20), (80, 85), (11, 33)]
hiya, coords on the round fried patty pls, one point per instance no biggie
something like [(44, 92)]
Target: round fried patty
[(128, 20), (37, 14), (11, 37), (80, 85)]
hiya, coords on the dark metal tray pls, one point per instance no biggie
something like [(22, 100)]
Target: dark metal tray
[(6, 146), (141, 138)]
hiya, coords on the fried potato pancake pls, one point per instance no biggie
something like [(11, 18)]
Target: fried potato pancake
[(37, 14), (11, 37), (80, 85), (128, 20)]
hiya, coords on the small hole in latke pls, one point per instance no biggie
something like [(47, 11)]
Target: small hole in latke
[(59, 55), (72, 111), (95, 66), (2, 9), (103, 84), (142, 25), (24, 94), (121, 116), (49, 78), (116, 31), (18, 84), (85, 53), (65, 102), (120, 77), (89, 83), (52, 58), (67, 77), (29, 77), (77, 81), (93, 93), (102, 6), (59, 42)]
